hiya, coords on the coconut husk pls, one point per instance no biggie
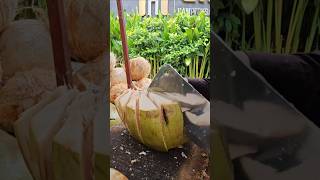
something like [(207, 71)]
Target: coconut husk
[(143, 84), (92, 74), (87, 28), (24, 45), (140, 68), (117, 90), (21, 92), (117, 76)]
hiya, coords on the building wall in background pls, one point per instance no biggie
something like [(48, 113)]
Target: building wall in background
[(166, 7)]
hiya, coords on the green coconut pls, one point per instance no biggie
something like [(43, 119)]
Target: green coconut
[(22, 131), (12, 164), (67, 143), (152, 119), (43, 127), (69, 155), (101, 148), (130, 116), (173, 120)]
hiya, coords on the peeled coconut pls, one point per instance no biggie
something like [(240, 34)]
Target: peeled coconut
[(152, 119), (87, 28), (21, 92), (113, 61), (117, 76), (140, 68), (143, 83), (92, 74), (117, 175), (7, 12), (117, 90), (24, 45)]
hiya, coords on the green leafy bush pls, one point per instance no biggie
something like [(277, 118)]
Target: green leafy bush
[(181, 40), (275, 26)]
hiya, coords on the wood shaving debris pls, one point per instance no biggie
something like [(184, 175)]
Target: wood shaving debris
[(143, 153), (128, 152), (184, 155)]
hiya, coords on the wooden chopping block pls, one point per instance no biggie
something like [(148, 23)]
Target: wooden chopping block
[(137, 161)]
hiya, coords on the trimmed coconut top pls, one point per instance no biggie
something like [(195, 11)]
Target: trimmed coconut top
[(70, 134), (123, 99), (190, 99), (43, 125), (133, 100), (159, 99), (145, 104)]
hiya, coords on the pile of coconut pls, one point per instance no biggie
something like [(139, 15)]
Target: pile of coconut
[(26, 55), (140, 71)]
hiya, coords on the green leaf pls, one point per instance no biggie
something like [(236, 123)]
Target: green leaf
[(187, 61), (228, 25), (249, 5)]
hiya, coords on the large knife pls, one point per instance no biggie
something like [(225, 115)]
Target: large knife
[(196, 108), (252, 113)]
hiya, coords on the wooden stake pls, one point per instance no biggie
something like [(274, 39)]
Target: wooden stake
[(124, 43), (59, 42)]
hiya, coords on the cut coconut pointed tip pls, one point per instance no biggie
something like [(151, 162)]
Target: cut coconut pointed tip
[(81, 107), (145, 104), (151, 124), (121, 103), (131, 118), (159, 99)]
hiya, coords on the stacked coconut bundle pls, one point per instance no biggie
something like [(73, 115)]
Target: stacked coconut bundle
[(140, 71)]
